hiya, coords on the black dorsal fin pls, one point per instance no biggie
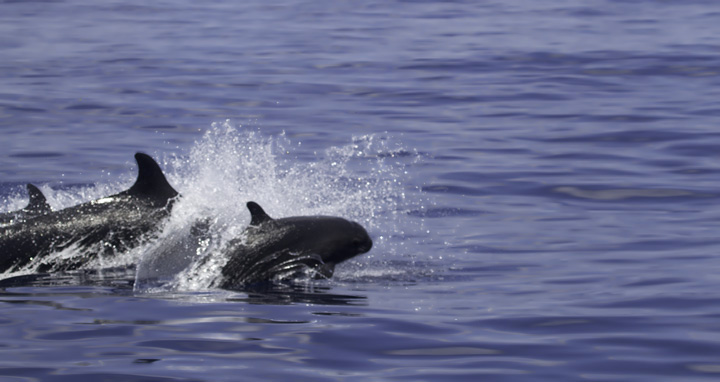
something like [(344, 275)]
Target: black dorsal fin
[(38, 204), (151, 182), (258, 215)]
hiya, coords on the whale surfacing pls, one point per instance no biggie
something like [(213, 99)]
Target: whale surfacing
[(269, 249), (112, 224), (275, 248)]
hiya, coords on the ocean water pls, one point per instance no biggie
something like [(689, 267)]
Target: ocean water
[(541, 181)]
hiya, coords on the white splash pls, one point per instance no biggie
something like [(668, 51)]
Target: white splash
[(361, 181)]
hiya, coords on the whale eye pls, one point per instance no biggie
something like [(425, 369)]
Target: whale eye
[(356, 242)]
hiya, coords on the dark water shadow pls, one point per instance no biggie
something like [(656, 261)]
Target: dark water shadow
[(294, 293), (120, 282)]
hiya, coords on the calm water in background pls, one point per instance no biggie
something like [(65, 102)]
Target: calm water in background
[(547, 200)]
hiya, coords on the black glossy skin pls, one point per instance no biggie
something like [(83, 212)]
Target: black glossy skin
[(104, 226), (277, 247), (37, 206)]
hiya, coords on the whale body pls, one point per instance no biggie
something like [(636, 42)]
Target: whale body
[(267, 250), (104, 226), (275, 248), (37, 205)]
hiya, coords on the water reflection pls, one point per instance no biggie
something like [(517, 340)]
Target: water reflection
[(282, 294), (93, 283)]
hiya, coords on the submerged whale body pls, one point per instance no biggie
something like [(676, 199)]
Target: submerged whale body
[(276, 248), (37, 205), (112, 224)]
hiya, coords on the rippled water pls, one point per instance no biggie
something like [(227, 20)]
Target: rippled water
[(540, 180)]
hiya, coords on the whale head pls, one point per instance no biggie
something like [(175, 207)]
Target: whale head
[(283, 246), (332, 239)]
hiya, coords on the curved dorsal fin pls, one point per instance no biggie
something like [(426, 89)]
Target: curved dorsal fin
[(258, 215), (151, 182), (37, 204)]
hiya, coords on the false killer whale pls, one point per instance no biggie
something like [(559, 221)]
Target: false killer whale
[(37, 205), (269, 249), (274, 248), (112, 224)]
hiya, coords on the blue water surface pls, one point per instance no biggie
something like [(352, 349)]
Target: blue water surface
[(541, 180)]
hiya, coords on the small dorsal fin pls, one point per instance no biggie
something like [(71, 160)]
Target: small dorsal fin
[(151, 181), (258, 215), (38, 204)]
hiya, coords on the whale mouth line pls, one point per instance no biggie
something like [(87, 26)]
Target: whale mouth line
[(365, 248)]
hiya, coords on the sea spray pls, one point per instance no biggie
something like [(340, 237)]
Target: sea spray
[(229, 166)]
